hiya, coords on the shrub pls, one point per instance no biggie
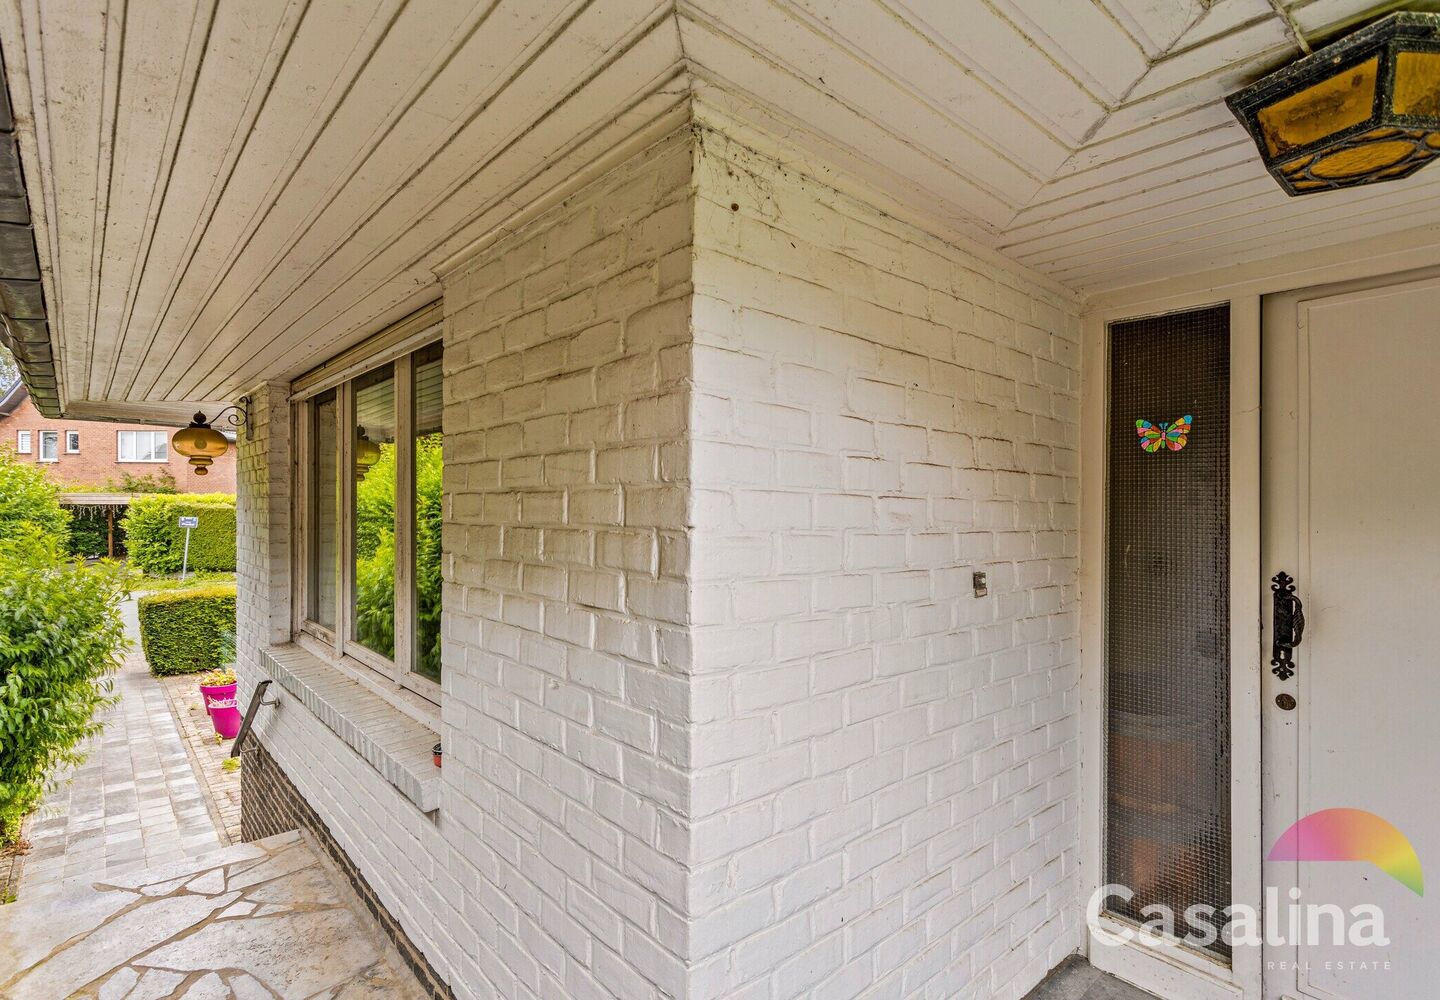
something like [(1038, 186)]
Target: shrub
[(29, 499), (60, 637), (156, 542), (187, 631)]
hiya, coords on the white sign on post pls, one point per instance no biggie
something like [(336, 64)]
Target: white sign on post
[(187, 523)]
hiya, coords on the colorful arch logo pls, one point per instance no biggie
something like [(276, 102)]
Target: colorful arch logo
[(1352, 835)]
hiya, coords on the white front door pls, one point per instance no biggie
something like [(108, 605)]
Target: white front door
[(1351, 509)]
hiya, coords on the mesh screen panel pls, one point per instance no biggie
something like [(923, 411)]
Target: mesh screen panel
[(1167, 821)]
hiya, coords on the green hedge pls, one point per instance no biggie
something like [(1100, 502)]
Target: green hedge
[(187, 631), (156, 542)]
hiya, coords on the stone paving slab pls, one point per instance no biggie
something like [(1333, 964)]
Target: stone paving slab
[(262, 920)]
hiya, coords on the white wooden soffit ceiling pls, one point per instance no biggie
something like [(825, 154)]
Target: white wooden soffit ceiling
[(228, 191)]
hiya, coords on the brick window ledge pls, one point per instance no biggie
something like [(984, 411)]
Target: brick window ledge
[(389, 740)]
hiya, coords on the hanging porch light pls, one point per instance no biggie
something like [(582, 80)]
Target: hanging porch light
[(201, 443), (1362, 110)]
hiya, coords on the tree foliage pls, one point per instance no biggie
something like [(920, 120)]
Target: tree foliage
[(29, 500)]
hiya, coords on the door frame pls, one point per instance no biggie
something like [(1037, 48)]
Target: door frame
[(1174, 971)]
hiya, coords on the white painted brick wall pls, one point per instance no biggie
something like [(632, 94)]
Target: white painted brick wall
[(721, 717), (885, 787)]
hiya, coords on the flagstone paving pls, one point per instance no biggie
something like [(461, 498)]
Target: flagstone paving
[(250, 922)]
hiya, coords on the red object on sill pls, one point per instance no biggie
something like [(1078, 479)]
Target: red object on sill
[(436, 753)]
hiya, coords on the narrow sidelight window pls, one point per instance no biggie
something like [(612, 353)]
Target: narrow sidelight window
[(1167, 616), (49, 446), (22, 442)]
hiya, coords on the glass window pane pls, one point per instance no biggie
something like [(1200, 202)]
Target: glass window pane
[(428, 513), (160, 447), (49, 446), (373, 620), (325, 510)]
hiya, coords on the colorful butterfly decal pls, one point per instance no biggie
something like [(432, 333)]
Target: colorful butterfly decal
[(1172, 436)]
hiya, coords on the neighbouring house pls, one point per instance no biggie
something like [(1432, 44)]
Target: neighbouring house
[(99, 453), (838, 482)]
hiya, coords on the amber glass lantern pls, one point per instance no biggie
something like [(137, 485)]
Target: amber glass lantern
[(1362, 110), (201, 443)]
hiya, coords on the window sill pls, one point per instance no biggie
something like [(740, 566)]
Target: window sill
[(389, 740)]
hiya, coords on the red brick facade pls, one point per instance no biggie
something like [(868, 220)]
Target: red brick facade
[(97, 463)]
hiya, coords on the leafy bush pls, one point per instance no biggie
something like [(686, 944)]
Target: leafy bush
[(154, 482), (187, 631), (29, 499), (156, 542), (60, 637)]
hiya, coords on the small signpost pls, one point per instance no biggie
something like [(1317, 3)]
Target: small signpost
[(187, 523)]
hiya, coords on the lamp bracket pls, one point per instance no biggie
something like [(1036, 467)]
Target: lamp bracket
[(239, 415)]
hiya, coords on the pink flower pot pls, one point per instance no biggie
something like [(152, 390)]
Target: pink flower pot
[(224, 707)]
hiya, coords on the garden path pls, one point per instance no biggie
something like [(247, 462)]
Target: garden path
[(135, 801)]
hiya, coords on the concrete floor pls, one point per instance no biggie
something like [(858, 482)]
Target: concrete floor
[(1077, 979)]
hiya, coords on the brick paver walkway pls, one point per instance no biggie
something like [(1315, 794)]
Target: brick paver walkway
[(221, 787), (134, 802)]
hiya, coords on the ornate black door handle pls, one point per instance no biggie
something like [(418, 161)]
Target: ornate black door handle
[(1287, 625)]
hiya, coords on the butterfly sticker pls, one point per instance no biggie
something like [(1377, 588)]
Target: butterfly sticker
[(1172, 436)]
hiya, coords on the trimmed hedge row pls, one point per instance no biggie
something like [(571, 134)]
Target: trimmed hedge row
[(187, 631), (156, 542)]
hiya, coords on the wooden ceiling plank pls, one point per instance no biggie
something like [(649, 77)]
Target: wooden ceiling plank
[(1123, 180), (932, 72), (227, 96), (1193, 258), (870, 93), (78, 54), (1086, 40), (162, 55), (399, 259), (1011, 62), (321, 60), (388, 207), (1245, 230)]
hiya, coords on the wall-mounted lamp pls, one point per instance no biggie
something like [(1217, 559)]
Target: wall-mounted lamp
[(202, 444), (1362, 110)]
